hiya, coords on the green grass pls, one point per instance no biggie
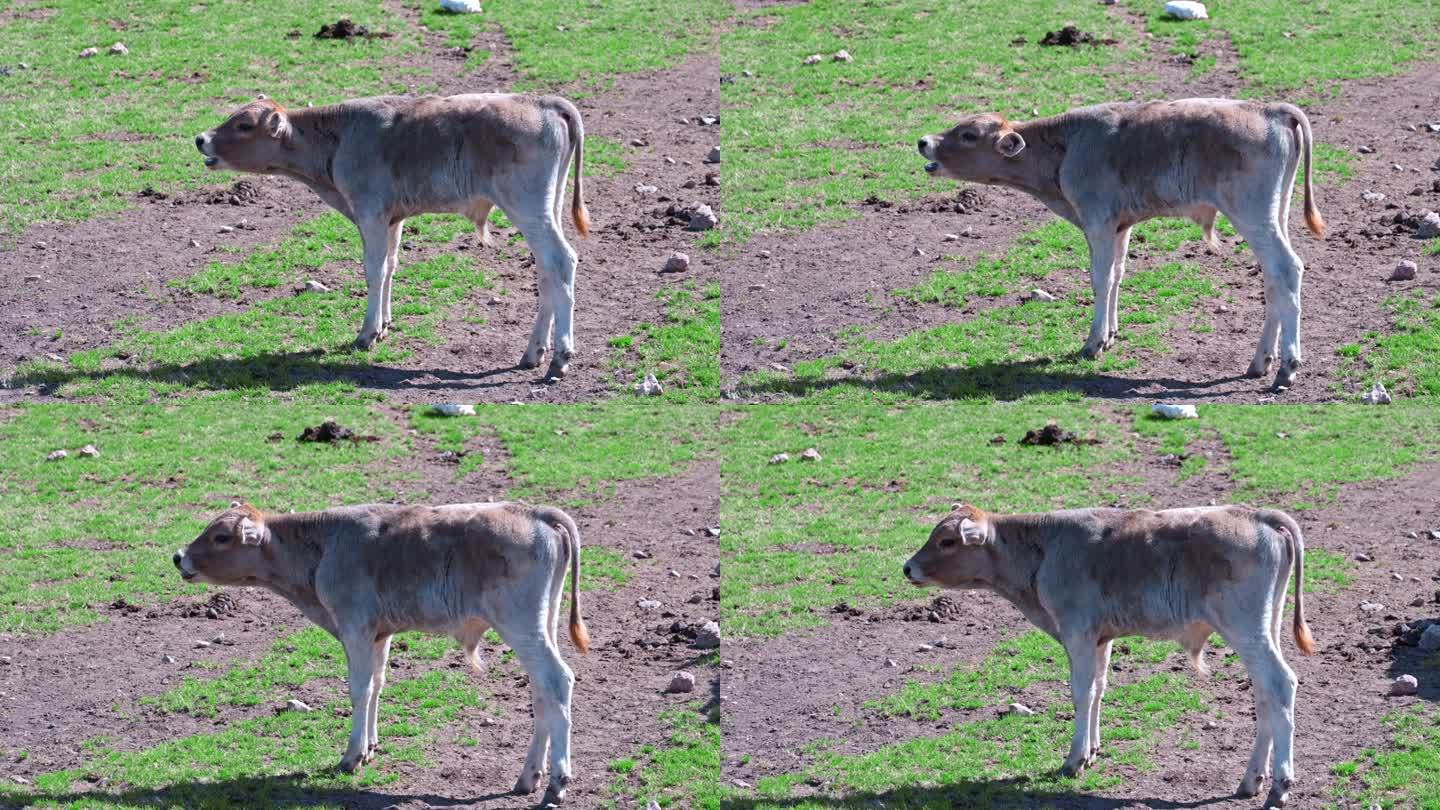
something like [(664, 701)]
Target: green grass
[(1010, 760), (1406, 358), (1298, 456), (801, 537), (1328, 40), (805, 143), (1012, 350), (1326, 571), (579, 451), (682, 351), (682, 772), (86, 531), (1405, 774)]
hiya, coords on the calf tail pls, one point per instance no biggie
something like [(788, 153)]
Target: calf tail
[(1286, 526), (1306, 143), (562, 522), (576, 129)]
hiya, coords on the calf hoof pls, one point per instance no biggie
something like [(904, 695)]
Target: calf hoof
[(365, 340), (1092, 351), (350, 764), (531, 359), (1070, 771), (527, 782), (1250, 786), (557, 370), (1259, 367), (1285, 377), (1277, 797), (555, 793)]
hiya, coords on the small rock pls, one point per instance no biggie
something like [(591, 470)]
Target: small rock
[(810, 454), (1372, 196), (1433, 534), (648, 604), (1209, 725), (194, 243), (812, 59), (713, 531), (167, 659), (708, 637), (1429, 226), (453, 409), (645, 188), (460, 6), (89, 52), (293, 705), (681, 682), (1036, 294), (1186, 10), (1363, 557), (950, 237), (1405, 270), (1377, 395), (924, 648), (842, 55), (779, 458), (702, 219), (227, 229), (119, 49), (1018, 708), (200, 645), (56, 455), (32, 278), (1371, 607), (677, 263), (1404, 685), (638, 142), (640, 554), (1168, 411), (714, 156), (891, 663), (316, 287), (1430, 639), (695, 598), (1365, 149), (764, 254), (1397, 167), (1397, 577), (917, 252), (19, 780), (649, 387), (89, 451)]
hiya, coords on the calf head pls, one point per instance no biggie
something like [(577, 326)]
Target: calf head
[(978, 149), (959, 553), (230, 551), (253, 139)]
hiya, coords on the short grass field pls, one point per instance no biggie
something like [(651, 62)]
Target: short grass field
[(824, 149), (81, 544), (808, 542)]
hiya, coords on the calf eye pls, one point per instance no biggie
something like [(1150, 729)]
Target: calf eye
[(969, 137), (222, 538), (947, 542), (244, 127)]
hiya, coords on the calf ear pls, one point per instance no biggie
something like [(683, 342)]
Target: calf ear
[(972, 533), (277, 123), (234, 504), (253, 533), (1010, 144)]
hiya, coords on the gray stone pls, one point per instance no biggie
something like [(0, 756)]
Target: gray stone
[(1405, 270), (1404, 685), (681, 682), (702, 218), (708, 637), (293, 705), (677, 263)]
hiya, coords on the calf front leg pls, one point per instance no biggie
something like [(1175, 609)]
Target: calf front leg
[(392, 262), (1102, 260), (379, 657), (1082, 654), (374, 232), (359, 655), (1122, 246), (1102, 676)]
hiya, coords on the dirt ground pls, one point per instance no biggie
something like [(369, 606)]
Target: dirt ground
[(781, 693), (59, 690), (81, 278), (802, 288)]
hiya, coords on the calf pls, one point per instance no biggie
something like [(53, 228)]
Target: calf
[(1107, 167), (1088, 576), (380, 160), (365, 573)]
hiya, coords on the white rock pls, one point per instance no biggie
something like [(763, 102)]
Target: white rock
[(1186, 10), (1429, 225), (1036, 294), (314, 286), (194, 243), (950, 237), (714, 156), (1404, 685), (842, 55), (810, 454), (89, 52), (56, 455), (453, 409), (89, 451), (708, 638), (1361, 556), (1372, 196), (1169, 411), (779, 458), (812, 59), (200, 645), (1430, 639), (891, 663), (648, 604), (702, 218), (649, 387), (1377, 395), (460, 6), (119, 49), (227, 229), (1405, 270), (917, 252), (1018, 708), (677, 263), (640, 554), (1371, 607), (924, 648), (681, 682), (167, 659), (645, 188)]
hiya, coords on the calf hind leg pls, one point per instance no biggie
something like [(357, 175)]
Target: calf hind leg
[(552, 682), (1284, 273), (1274, 685), (479, 213), (555, 262)]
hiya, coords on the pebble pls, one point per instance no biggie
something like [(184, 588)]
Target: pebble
[(810, 454), (695, 598), (461, 6), (812, 59), (764, 254), (1372, 196), (681, 682), (167, 659), (638, 142), (1404, 685), (779, 458), (669, 161), (645, 188), (677, 263), (714, 156), (950, 237), (891, 663), (1429, 225), (1371, 607), (194, 243), (1397, 167), (89, 52), (640, 554), (649, 387), (1036, 294), (1186, 10), (708, 637), (1363, 557), (648, 604), (89, 451), (702, 219), (917, 252), (453, 409), (119, 49), (1377, 395), (56, 455), (1405, 270), (227, 229), (316, 287), (1018, 708), (1209, 725), (32, 278), (293, 705), (842, 55), (1169, 411), (924, 648), (200, 645), (1365, 150)]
